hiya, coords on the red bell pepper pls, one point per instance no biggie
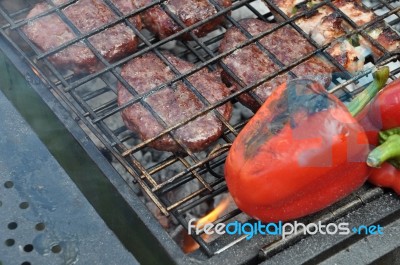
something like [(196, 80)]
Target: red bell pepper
[(382, 113), (386, 176), (301, 152)]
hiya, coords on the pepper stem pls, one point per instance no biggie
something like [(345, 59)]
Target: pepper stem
[(364, 97), (384, 135), (389, 150)]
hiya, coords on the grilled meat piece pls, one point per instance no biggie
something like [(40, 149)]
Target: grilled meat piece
[(290, 7), (50, 32), (355, 11), (329, 28), (332, 26), (189, 12), (352, 8), (325, 26), (352, 52), (251, 64), (352, 58), (387, 37), (173, 104)]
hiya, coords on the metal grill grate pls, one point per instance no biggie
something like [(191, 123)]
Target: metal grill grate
[(73, 93)]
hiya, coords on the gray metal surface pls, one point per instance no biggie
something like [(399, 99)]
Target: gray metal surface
[(129, 218), (44, 218), (353, 248)]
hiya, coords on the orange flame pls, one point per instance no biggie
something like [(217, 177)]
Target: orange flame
[(189, 245), (35, 71)]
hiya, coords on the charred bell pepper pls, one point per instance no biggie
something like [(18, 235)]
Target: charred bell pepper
[(301, 152)]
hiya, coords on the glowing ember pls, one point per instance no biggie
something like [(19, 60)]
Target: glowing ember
[(189, 245)]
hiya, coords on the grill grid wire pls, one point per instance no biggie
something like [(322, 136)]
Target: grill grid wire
[(65, 86)]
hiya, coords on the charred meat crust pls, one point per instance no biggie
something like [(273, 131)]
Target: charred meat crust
[(173, 104), (189, 12), (114, 43), (251, 64)]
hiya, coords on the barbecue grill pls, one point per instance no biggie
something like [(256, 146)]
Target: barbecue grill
[(86, 106)]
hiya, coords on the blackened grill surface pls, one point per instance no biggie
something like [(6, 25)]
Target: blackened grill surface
[(251, 64), (50, 31), (173, 104)]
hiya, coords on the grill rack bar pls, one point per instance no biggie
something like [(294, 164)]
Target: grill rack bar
[(279, 245), (110, 66), (42, 14), (66, 101), (77, 99), (244, 44), (135, 163), (141, 52)]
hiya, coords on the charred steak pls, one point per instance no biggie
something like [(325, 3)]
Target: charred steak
[(50, 31), (251, 64), (173, 104), (189, 12)]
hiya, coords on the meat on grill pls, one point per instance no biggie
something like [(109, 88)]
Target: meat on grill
[(355, 11), (251, 63), (384, 34), (351, 57), (325, 25), (173, 104), (188, 12), (289, 7), (352, 8), (51, 31)]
